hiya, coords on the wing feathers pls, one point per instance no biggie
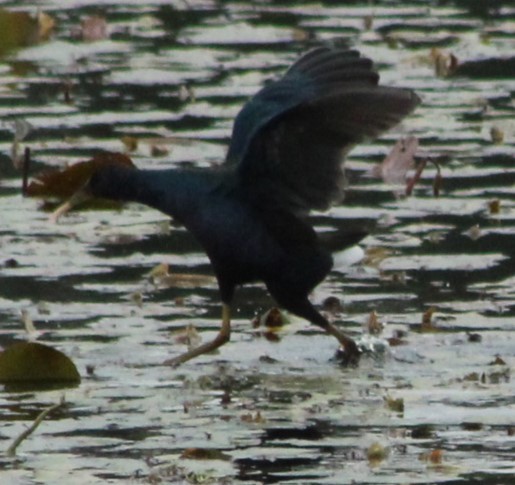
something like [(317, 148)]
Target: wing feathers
[(289, 140)]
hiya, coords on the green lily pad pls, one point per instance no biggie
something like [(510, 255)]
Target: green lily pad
[(25, 362)]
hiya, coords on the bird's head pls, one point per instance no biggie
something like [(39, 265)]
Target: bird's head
[(104, 183)]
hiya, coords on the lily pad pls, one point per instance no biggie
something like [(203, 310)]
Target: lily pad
[(31, 362)]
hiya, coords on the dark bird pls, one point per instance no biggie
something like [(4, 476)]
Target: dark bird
[(285, 159)]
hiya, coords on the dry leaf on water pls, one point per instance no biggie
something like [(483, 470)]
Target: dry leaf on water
[(21, 29), (395, 166), (63, 184)]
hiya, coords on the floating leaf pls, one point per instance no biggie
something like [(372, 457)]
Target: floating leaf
[(130, 143), (256, 418), (94, 28), (474, 232), (160, 276), (30, 362), (497, 135), (186, 93), (498, 361), (189, 336), (474, 337), (28, 323), (396, 405), (20, 29), (394, 167), (368, 22), (436, 457), (159, 150), (472, 426), (272, 318), (158, 272), (374, 326), (376, 453), (204, 454), (422, 432), (271, 322), (136, 298), (494, 206), (445, 64), (63, 184), (427, 320), (375, 255), (332, 305)]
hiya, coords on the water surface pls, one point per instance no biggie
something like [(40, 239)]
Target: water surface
[(173, 75)]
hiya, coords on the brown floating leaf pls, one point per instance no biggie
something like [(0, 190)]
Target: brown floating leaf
[(161, 276), (472, 426), (93, 28), (474, 232), (474, 337), (427, 323), (374, 326), (158, 272), (395, 341), (186, 93), (445, 64), (189, 336), (368, 22), (498, 361), (393, 404), (376, 453), (497, 135), (494, 206), (273, 318), (375, 255), (204, 454), (20, 29), (332, 305), (130, 143), (435, 457), (63, 184), (395, 166), (159, 150), (184, 280), (137, 298), (256, 418), (37, 363)]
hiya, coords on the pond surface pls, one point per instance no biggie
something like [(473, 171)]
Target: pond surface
[(166, 80)]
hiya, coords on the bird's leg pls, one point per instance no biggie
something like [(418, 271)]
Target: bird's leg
[(222, 338), (352, 352), (305, 309)]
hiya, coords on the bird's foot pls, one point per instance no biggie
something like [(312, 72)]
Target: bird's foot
[(349, 353)]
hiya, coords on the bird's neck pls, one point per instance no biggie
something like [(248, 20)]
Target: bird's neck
[(173, 191)]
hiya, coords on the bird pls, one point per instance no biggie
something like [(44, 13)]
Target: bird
[(285, 159)]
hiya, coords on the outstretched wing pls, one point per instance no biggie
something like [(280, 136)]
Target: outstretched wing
[(289, 140)]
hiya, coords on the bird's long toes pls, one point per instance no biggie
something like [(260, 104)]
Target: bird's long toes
[(348, 355)]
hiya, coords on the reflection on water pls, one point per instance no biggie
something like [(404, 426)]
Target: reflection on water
[(167, 80)]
